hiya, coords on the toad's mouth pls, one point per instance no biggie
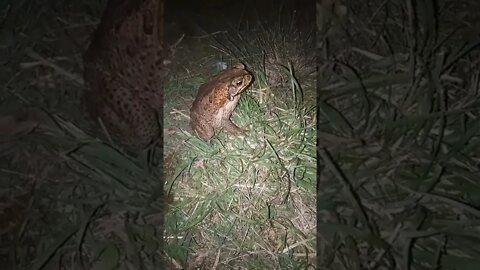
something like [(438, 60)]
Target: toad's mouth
[(231, 95), (235, 92)]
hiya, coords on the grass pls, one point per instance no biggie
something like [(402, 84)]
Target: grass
[(253, 191), (397, 133), (104, 207), (277, 50), (243, 201)]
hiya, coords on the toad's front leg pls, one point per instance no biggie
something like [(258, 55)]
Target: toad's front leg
[(230, 127)]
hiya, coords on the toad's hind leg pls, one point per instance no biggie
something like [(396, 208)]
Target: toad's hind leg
[(203, 129)]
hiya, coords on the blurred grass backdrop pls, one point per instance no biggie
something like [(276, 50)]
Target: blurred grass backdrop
[(398, 134)]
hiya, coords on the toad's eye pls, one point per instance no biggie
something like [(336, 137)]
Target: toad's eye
[(239, 82)]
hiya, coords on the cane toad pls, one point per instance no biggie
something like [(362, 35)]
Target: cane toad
[(122, 66), (216, 99)]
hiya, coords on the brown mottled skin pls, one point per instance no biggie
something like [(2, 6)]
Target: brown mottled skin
[(122, 67), (216, 99)]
